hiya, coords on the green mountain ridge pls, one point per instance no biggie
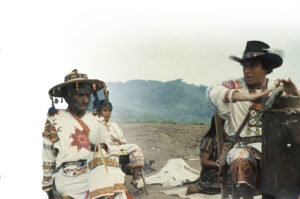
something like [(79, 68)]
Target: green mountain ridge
[(155, 101)]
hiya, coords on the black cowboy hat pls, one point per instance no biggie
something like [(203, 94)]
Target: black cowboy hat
[(260, 50)]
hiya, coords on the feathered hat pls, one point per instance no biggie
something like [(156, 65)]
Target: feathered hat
[(260, 50)]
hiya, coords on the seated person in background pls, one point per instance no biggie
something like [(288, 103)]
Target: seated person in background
[(114, 136), (208, 182)]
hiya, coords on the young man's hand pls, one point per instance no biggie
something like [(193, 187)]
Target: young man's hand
[(289, 87)]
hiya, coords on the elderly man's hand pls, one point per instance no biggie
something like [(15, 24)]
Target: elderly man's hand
[(289, 87), (237, 96)]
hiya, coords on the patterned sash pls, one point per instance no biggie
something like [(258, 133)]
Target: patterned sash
[(247, 140), (82, 124)]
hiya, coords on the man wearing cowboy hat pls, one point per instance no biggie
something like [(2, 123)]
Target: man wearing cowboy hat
[(238, 102), (66, 145)]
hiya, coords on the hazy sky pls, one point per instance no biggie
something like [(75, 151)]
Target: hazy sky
[(42, 41)]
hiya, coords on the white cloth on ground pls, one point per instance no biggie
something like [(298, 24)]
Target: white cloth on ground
[(175, 172)]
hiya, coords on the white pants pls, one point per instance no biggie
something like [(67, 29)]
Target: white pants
[(106, 181), (76, 187)]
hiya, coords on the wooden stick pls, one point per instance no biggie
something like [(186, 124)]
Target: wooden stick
[(101, 155), (220, 141), (144, 181)]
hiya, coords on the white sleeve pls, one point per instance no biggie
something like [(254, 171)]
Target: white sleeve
[(120, 133), (50, 137), (220, 97)]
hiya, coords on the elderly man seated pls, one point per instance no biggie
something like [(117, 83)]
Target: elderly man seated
[(66, 146)]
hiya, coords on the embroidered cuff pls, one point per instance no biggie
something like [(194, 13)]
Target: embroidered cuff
[(48, 165), (228, 95)]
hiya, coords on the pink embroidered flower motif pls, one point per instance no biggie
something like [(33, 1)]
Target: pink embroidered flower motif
[(80, 139)]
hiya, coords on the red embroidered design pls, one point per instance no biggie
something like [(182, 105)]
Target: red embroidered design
[(80, 139), (226, 97), (229, 84), (48, 165), (107, 190), (50, 132)]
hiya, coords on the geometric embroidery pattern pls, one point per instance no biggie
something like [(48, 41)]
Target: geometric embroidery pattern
[(137, 160), (48, 165), (50, 132), (255, 119), (80, 139), (107, 190), (73, 169), (243, 170), (230, 84), (74, 172), (98, 162)]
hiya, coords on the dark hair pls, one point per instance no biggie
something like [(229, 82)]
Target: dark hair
[(106, 103), (212, 130), (266, 65)]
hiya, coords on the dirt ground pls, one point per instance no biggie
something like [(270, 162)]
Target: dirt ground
[(161, 142)]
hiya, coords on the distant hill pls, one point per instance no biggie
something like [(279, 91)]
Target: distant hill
[(155, 101)]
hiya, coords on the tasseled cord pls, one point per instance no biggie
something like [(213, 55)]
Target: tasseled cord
[(96, 102), (52, 110)]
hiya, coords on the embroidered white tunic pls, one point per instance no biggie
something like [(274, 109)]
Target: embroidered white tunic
[(220, 96), (64, 140)]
